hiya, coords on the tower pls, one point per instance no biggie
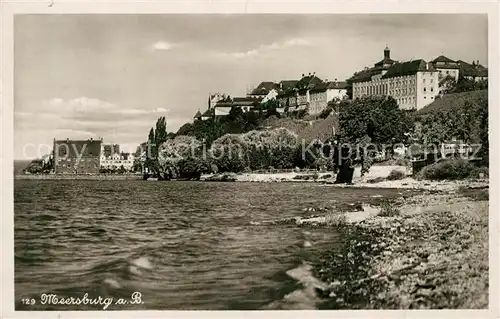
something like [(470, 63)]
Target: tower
[(387, 53)]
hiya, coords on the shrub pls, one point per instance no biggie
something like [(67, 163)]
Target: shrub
[(402, 162), (449, 169), (387, 209), (335, 219), (478, 171), (396, 175)]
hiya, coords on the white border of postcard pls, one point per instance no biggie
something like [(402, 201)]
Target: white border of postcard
[(10, 8)]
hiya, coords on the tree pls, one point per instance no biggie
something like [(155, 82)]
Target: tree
[(150, 151), (371, 123), (379, 118), (447, 84)]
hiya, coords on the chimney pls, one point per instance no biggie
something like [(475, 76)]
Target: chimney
[(314, 73), (67, 140)]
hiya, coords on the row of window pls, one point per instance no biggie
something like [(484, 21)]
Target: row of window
[(119, 162)]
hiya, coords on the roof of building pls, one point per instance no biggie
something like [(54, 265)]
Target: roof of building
[(408, 68), (384, 62), (197, 115), (474, 70), (288, 84), (308, 82), (365, 75), (323, 86), (444, 59), (207, 113), (75, 148), (264, 88)]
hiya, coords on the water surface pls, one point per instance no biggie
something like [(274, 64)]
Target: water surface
[(183, 245)]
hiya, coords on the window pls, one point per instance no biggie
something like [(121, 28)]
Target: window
[(432, 89), (423, 80), (432, 80), (447, 72), (425, 89)]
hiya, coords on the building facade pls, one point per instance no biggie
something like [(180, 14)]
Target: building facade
[(474, 71), (323, 93), (413, 84), (117, 160), (77, 156), (446, 67)]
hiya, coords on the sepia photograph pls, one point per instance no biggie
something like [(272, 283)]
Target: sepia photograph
[(251, 161)]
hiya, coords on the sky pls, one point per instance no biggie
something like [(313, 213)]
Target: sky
[(112, 76)]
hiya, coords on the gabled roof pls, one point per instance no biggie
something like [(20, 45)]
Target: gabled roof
[(365, 75), (385, 61), (308, 82), (444, 59), (408, 68), (264, 88), (467, 69), (197, 115), (288, 84)]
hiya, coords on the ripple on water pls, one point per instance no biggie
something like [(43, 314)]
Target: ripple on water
[(182, 245)]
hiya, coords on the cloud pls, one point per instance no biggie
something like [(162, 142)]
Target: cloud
[(265, 48), (161, 46), (63, 117)]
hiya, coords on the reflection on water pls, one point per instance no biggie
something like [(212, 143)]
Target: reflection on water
[(183, 245)]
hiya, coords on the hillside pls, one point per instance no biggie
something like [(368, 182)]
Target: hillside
[(307, 130), (455, 100)]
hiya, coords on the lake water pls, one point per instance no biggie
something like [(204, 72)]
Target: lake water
[(182, 245)]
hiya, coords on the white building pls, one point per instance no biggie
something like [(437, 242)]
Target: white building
[(413, 84), (112, 158), (322, 93), (446, 67)]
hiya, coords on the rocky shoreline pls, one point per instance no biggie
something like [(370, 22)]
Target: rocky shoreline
[(432, 254)]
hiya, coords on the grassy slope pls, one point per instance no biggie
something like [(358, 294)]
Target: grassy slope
[(453, 100), (307, 130)]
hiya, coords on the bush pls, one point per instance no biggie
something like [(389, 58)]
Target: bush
[(335, 219), (449, 169), (387, 209), (402, 162), (396, 175), (478, 171)]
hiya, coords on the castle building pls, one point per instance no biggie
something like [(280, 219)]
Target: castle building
[(325, 92), (77, 156), (446, 67), (112, 158), (413, 84), (310, 93), (474, 71)]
